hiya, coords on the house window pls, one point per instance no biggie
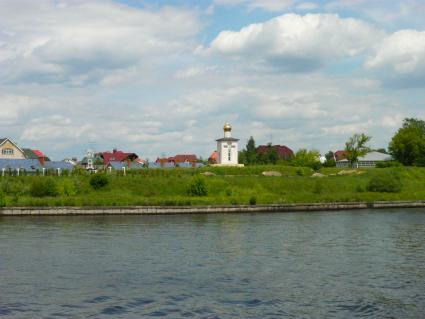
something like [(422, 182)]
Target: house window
[(7, 151), (229, 155)]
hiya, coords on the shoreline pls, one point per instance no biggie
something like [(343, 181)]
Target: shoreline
[(211, 209)]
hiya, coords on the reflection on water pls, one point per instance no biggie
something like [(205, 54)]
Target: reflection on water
[(299, 265)]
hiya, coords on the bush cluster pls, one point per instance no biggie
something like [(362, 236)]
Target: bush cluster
[(41, 187), (388, 164), (384, 183), (197, 187), (98, 181), (2, 199)]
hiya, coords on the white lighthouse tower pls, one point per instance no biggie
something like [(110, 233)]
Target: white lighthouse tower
[(227, 148)]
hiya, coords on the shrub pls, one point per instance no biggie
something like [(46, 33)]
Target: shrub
[(384, 183), (197, 187), (67, 188), (300, 172), (42, 186), (360, 189), (2, 199), (252, 200), (98, 181), (228, 191), (388, 164)]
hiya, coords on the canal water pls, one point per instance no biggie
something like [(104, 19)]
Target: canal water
[(352, 264)]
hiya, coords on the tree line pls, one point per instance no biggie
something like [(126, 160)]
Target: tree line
[(407, 147)]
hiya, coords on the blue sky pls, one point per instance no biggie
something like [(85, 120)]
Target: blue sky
[(161, 77)]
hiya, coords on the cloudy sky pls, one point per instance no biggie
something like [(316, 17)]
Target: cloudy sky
[(162, 77)]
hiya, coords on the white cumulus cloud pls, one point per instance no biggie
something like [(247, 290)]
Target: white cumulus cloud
[(42, 41), (400, 58), (298, 43)]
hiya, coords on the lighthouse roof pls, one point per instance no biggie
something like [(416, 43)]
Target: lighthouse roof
[(227, 139)]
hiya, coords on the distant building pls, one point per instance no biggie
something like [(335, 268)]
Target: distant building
[(9, 150), (36, 154), (369, 160), (180, 160), (118, 156), (283, 152), (227, 148), (213, 158), (340, 155)]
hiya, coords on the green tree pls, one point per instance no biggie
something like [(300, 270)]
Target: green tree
[(330, 159), (305, 158), (408, 144), (356, 147), (249, 155)]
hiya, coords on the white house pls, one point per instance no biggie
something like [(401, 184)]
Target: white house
[(369, 160), (227, 148)]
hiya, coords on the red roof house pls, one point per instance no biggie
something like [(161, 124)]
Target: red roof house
[(118, 156), (283, 152), (340, 155), (213, 158), (181, 158)]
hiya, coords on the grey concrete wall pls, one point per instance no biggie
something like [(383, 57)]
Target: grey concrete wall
[(157, 210)]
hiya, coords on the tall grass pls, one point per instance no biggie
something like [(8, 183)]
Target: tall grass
[(228, 186)]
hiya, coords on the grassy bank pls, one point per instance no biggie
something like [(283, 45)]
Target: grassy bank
[(227, 186)]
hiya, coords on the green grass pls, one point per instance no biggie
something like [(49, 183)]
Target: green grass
[(229, 186)]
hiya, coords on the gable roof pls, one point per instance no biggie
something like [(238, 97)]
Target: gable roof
[(282, 151), (38, 153), (4, 140), (29, 154), (117, 156), (340, 155), (182, 158), (213, 157)]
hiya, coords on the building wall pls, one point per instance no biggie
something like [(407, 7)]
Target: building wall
[(223, 150), (10, 151), (344, 164)]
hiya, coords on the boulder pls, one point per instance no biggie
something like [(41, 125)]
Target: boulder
[(208, 174), (318, 175), (271, 173)]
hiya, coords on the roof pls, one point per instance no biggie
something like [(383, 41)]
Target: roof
[(227, 139), (3, 140), (38, 153), (29, 154), (213, 157), (117, 165), (372, 157), (340, 155), (282, 151), (58, 164), (181, 158), (29, 165), (117, 156)]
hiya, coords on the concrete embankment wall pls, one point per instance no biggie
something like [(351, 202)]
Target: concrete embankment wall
[(163, 210)]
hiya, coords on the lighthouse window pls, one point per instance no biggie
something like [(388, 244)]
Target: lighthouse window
[(229, 154)]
